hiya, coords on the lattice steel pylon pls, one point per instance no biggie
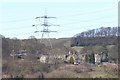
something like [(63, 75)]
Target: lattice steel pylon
[(46, 29)]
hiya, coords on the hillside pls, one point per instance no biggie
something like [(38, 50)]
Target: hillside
[(56, 68), (57, 43), (100, 36)]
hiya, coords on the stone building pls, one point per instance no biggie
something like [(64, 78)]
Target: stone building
[(43, 58), (97, 58)]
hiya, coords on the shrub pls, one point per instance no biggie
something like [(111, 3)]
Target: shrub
[(72, 59)]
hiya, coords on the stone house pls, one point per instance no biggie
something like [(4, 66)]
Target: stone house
[(98, 58), (43, 58)]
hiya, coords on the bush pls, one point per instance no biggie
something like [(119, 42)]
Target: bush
[(72, 59), (92, 58), (5, 67), (86, 58)]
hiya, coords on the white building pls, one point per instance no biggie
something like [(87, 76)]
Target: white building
[(43, 59), (97, 58)]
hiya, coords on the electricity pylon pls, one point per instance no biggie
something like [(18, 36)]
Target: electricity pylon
[(46, 26)]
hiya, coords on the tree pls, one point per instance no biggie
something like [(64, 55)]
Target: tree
[(108, 31), (1, 36), (14, 38), (5, 47), (118, 31), (72, 59), (31, 37), (104, 54), (86, 58), (92, 58), (113, 52)]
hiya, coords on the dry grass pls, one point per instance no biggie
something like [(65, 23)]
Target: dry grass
[(61, 74), (31, 68), (78, 48), (84, 71), (19, 67)]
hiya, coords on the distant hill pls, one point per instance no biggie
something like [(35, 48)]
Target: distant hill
[(100, 32), (103, 35)]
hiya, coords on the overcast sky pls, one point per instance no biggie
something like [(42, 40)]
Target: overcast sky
[(73, 16)]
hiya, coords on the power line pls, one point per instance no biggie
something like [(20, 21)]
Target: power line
[(83, 13), (20, 20), (46, 26), (21, 34), (70, 29), (95, 19), (50, 24), (86, 13), (36, 25), (17, 28)]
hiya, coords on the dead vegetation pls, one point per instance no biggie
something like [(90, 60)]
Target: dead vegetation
[(82, 71), (31, 68)]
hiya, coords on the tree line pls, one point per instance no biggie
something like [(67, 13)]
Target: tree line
[(103, 35), (31, 45), (100, 32)]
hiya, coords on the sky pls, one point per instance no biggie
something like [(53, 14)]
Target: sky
[(73, 16)]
